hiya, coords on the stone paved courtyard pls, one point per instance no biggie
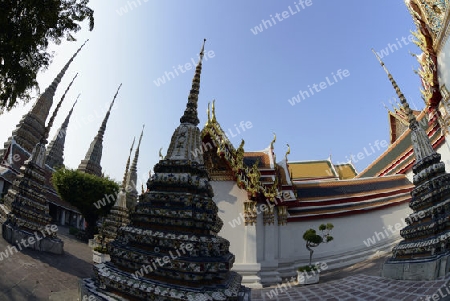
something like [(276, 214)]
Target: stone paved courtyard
[(32, 276), (353, 288)]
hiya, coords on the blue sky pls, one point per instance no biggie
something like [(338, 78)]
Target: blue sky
[(253, 77)]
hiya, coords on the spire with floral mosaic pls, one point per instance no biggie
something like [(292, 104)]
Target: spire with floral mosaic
[(171, 250)]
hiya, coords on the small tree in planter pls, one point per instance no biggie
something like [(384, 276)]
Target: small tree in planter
[(101, 253), (313, 240)]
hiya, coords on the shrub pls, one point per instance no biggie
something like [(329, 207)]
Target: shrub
[(73, 231)]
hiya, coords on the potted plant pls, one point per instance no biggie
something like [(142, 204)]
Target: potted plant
[(310, 274), (100, 253)]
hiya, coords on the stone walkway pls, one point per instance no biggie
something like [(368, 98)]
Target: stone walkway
[(35, 276), (354, 288), (360, 281)]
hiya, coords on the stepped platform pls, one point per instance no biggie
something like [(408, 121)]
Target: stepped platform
[(37, 276)]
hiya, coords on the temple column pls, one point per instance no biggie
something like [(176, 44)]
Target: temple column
[(269, 265), (63, 217), (250, 267), (79, 218)]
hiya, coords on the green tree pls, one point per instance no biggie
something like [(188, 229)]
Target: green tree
[(26, 29), (93, 196), (314, 240)]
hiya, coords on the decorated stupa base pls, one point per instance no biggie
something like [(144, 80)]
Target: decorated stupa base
[(424, 253), (170, 250), (117, 217), (32, 240), (90, 291), (28, 221)]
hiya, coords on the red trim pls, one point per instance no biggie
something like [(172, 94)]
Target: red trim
[(301, 204), (435, 145), (342, 214)]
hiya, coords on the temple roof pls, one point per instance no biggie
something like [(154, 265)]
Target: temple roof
[(315, 169), (336, 198), (399, 157), (7, 174), (398, 123), (250, 158), (14, 157), (433, 14), (345, 171)]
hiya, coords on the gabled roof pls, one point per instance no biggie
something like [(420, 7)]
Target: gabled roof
[(398, 123), (14, 157), (307, 170), (345, 171), (7, 174), (224, 162), (399, 156), (263, 159)]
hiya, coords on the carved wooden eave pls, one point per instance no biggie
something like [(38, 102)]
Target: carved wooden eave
[(432, 17), (216, 142)]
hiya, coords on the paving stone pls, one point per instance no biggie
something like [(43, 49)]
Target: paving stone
[(35, 276)]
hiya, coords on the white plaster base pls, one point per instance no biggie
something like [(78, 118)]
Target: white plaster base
[(249, 273), (98, 257), (417, 270), (308, 277), (46, 244)]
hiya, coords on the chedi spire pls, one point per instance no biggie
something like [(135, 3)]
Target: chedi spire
[(55, 150), (91, 162), (171, 250), (132, 193), (31, 127), (426, 241)]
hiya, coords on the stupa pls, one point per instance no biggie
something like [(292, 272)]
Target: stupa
[(118, 216), (423, 253), (31, 127), (131, 179), (171, 250), (91, 162), (28, 223), (55, 149)]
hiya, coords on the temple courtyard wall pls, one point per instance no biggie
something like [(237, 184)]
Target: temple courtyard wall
[(443, 60), (268, 254)]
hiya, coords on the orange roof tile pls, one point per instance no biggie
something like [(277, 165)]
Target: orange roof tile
[(345, 171), (311, 169), (251, 157)]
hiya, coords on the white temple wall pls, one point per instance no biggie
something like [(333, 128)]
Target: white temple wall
[(444, 150), (443, 60), (243, 239), (349, 233), (409, 175), (266, 254), (229, 198)]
